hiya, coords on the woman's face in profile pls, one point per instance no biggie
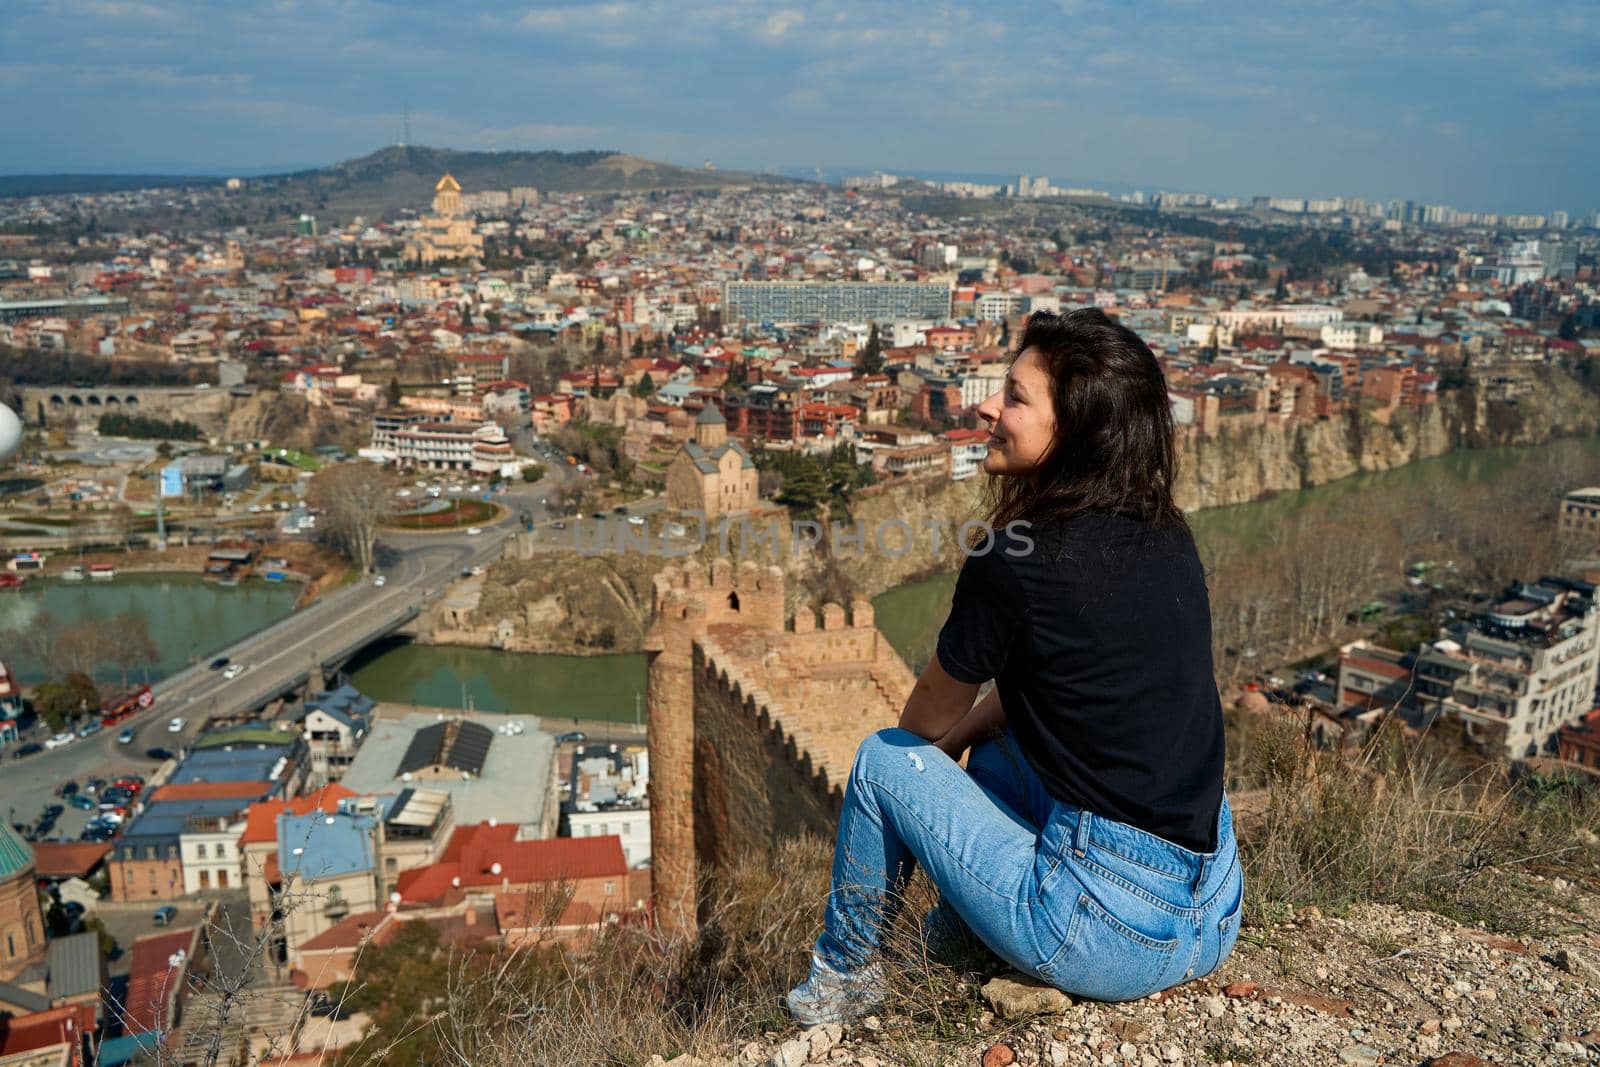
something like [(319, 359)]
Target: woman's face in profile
[(1020, 417)]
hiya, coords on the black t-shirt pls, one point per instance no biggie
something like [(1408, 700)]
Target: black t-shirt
[(1098, 636)]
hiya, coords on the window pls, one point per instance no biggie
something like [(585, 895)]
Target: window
[(200, 851), (11, 947), (611, 887)]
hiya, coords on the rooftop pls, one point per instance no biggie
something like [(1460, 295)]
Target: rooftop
[(510, 787)]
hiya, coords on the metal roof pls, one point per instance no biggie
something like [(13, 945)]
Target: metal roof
[(15, 855), (458, 744), (75, 965)]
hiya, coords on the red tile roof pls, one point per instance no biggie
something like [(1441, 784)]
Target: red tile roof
[(212, 791), (68, 859), (154, 981), (261, 821), (45, 1029), (347, 933), (485, 855)]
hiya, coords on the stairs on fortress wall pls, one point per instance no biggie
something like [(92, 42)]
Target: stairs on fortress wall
[(263, 1018)]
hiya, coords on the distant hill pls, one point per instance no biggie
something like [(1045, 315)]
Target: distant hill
[(404, 176), (61, 184)]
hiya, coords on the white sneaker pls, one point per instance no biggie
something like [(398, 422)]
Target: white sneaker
[(829, 996)]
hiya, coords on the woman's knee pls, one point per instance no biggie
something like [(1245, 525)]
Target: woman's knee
[(888, 748)]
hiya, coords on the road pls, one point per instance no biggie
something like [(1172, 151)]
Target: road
[(417, 568)]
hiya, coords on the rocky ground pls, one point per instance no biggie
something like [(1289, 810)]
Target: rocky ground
[(1377, 985)]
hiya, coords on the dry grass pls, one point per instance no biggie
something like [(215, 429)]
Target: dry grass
[(1407, 820)]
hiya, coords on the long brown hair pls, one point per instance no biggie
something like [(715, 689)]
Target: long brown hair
[(1113, 449)]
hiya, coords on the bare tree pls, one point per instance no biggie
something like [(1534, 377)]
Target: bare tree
[(355, 498), (132, 645)]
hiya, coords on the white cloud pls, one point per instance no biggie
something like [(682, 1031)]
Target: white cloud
[(779, 23)]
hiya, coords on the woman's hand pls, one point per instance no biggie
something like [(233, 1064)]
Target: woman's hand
[(984, 719)]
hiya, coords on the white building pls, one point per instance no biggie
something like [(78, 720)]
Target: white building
[(211, 857), (1519, 671)]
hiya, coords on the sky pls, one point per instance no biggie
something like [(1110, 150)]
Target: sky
[(1485, 106)]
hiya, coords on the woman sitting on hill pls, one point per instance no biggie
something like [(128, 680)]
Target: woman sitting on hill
[(1088, 841)]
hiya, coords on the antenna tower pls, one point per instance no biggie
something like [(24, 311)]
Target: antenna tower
[(407, 135)]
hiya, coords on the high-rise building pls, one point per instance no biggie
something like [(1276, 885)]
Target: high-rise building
[(806, 302)]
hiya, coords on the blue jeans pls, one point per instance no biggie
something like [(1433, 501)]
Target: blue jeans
[(1089, 905)]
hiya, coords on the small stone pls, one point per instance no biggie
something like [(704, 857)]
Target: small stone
[(868, 1061), (1578, 961), (685, 1059), (1060, 1052), (1149, 1059), (985, 1021), (872, 1024), (1171, 1053), (1240, 989), (1451, 1024), (1016, 996), (1430, 1026), (1359, 1054), (1128, 1050), (820, 1039), (791, 1053), (1130, 1030), (1215, 1007), (999, 1055), (1458, 1059), (1461, 987)]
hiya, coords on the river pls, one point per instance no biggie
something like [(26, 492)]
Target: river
[(910, 615), (189, 618)]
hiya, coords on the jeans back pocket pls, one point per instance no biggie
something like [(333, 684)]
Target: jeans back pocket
[(1104, 958)]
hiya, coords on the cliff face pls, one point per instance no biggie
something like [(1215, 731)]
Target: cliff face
[(1244, 464), (557, 601)]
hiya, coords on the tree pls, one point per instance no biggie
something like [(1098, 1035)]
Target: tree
[(532, 472), (356, 499), (392, 395), (134, 646), (645, 386), (60, 702), (870, 359)]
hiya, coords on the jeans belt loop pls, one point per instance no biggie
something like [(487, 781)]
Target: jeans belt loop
[(1080, 833)]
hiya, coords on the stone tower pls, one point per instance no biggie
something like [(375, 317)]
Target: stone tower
[(22, 942), (686, 605), (710, 428)]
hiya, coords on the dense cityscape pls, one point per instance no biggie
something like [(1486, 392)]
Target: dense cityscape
[(417, 425)]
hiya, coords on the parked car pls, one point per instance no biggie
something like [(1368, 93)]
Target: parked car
[(176, 724), (53, 811), (474, 531), (572, 737), (620, 509), (94, 785), (58, 740), (90, 728), (83, 802), (126, 736), (219, 663), (380, 581), (230, 674), (635, 520), (29, 749), (558, 525), (164, 915), (158, 753), (67, 788)]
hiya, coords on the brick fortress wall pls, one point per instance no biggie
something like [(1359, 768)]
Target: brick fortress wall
[(754, 719)]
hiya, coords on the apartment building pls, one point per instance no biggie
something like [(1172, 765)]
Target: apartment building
[(1518, 672), (1579, 523), (806, 302)]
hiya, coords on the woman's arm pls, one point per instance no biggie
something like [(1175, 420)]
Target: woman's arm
[(982, 720), (937, 702)]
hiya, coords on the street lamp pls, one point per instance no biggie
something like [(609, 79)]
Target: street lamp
[(10, 432)]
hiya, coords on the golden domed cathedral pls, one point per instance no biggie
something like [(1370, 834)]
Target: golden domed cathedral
[(444, 234)]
